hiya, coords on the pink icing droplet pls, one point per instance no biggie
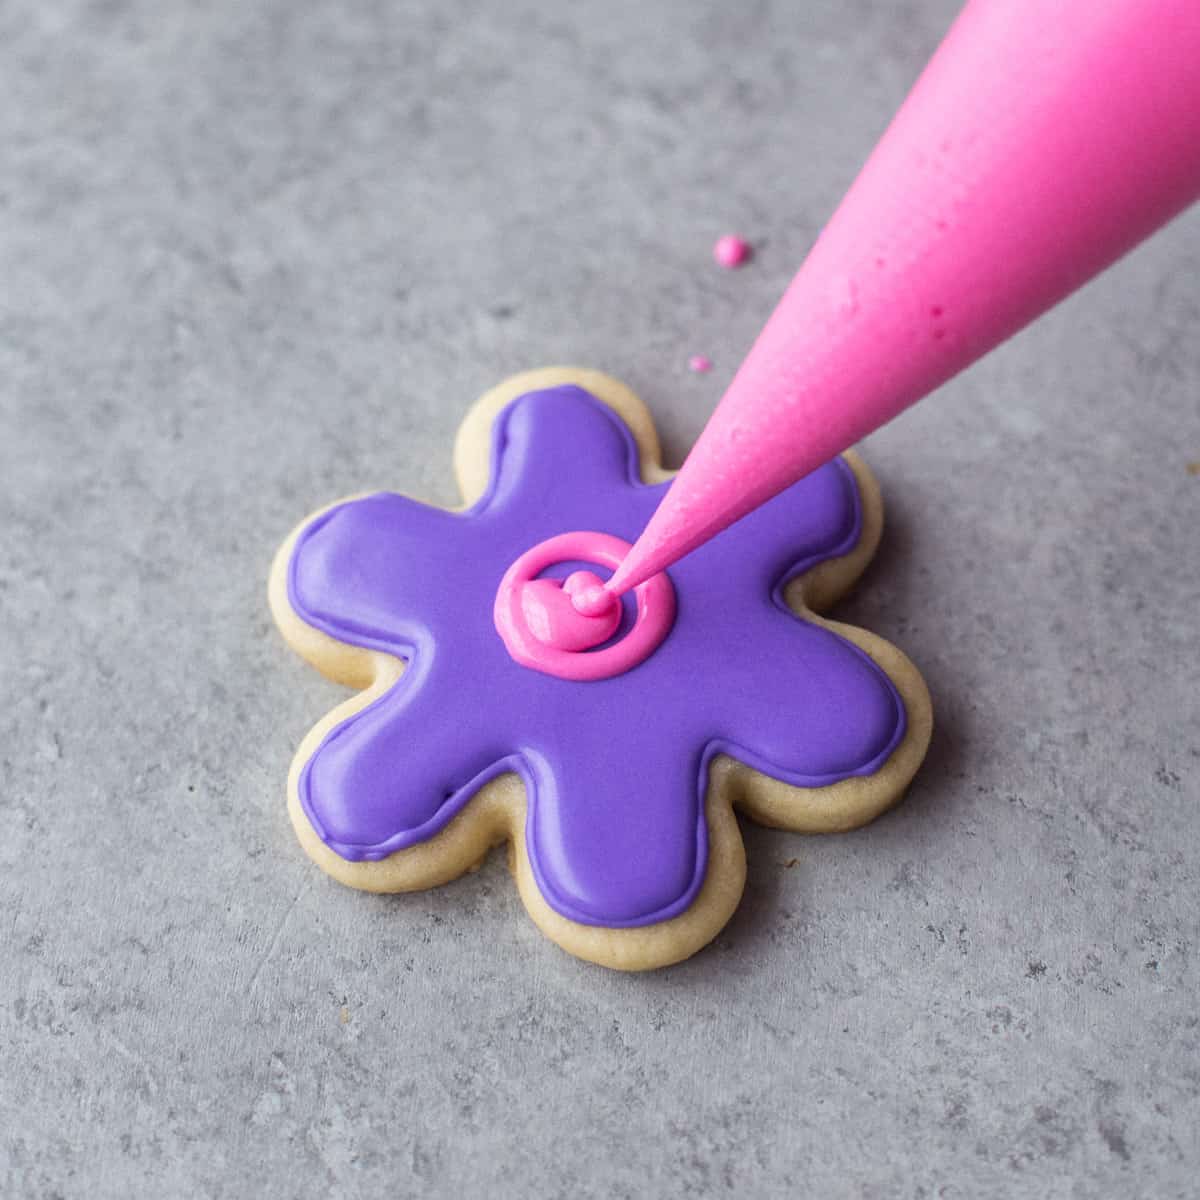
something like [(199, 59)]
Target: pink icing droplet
[(588, 594), (700, 363), (731, 251)]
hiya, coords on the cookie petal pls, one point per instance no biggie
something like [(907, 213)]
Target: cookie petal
[(623, 849), (365, 571), (814, 711), (559, 443), (815, 519), (396, 772)]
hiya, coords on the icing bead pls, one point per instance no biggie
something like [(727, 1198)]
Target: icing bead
[(731, 251)]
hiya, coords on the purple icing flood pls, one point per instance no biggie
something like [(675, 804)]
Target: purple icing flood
[(615, 770)]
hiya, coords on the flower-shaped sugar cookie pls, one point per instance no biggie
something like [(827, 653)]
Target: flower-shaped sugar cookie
[(615, 793)]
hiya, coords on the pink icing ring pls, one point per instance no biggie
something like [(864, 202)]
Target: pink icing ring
[(655, 610)]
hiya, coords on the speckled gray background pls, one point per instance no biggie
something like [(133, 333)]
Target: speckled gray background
[(256, 255)]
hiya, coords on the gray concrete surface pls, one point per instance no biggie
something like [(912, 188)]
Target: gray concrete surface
[(257, 255)]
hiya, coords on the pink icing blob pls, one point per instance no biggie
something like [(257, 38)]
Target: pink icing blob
[(551, 627), (731, 251), (553, 617), (700, 363)]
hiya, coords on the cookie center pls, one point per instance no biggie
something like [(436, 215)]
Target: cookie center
[(561, 627)]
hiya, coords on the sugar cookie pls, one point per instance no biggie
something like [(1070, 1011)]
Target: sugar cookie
[(615, 790)]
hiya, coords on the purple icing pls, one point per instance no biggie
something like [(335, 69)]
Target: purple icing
[(615, 770)]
